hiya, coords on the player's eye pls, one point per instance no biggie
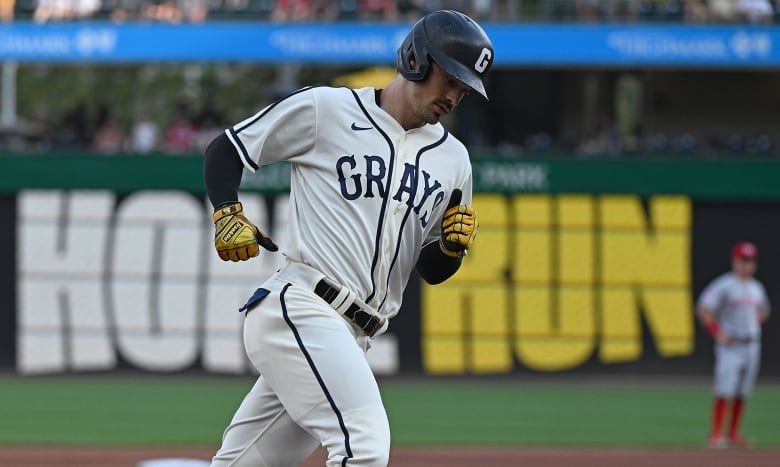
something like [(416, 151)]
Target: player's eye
[(458, 86), (454, 84)]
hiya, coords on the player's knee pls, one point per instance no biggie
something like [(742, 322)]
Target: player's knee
[(375, 453), (364, 456), (368, 441)]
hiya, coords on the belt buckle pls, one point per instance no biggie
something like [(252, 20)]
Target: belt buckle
[(370, 323)]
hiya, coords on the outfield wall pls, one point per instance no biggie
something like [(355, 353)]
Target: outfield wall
[(580, 266)]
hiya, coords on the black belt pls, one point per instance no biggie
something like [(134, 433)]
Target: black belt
[(370, 324), (744, 340)]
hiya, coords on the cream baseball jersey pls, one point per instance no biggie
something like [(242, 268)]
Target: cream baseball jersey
[(366, 195)]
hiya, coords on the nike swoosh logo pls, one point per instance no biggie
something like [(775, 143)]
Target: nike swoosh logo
[(360, 128)]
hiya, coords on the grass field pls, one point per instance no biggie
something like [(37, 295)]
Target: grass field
[(105, 410)]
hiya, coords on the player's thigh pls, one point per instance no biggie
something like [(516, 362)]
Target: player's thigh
[(262, 434), (312, 360), (727, 371), (752, 364), (306, 351)]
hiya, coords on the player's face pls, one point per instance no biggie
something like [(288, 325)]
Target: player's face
[(744, 268), (438, 95)]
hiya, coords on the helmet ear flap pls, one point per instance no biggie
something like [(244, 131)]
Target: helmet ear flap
[(412, 64), (422, 67)]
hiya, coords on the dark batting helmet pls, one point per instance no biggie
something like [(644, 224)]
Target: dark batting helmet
[(454, 41)]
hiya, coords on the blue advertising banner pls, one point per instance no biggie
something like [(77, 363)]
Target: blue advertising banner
[(519, 44), (638, 44), (229, 41)]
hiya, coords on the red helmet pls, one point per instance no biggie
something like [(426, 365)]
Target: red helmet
[(744, 250)]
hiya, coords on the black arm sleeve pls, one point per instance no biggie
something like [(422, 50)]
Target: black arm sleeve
[(434, 266), (222, 171)]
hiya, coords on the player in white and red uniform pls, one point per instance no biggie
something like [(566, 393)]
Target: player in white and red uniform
[(732, 308), (379, 189)]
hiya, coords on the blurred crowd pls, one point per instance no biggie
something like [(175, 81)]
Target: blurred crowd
[(609, 141), (189, 131), (176, 11), (186, 132), (691, 11)]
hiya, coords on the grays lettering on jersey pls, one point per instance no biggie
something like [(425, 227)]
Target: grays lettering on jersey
[(736, 304), (365, 157)]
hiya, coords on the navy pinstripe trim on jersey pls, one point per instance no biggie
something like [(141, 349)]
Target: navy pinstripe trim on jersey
[(317, 375), (385, 196), (233, 136), (233, 133), (420, 153), (259, 116)]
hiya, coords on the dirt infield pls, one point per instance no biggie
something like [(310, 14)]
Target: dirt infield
[(418, 457)]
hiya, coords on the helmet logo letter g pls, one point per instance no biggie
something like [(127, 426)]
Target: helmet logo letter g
[(484, 60)]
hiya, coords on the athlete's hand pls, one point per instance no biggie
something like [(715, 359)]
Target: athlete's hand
[(235, 238), (720, 335), (724, 337), (458, 226)]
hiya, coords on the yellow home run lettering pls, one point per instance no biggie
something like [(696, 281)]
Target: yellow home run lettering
[(557, 280), (233, 231)]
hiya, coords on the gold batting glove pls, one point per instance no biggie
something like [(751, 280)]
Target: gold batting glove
[(235, 238), (458, 227)]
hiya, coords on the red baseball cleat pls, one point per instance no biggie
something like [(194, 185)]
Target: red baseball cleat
[(739, 442)]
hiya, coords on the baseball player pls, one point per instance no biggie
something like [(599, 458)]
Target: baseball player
[(379, 189), (732, 308)]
